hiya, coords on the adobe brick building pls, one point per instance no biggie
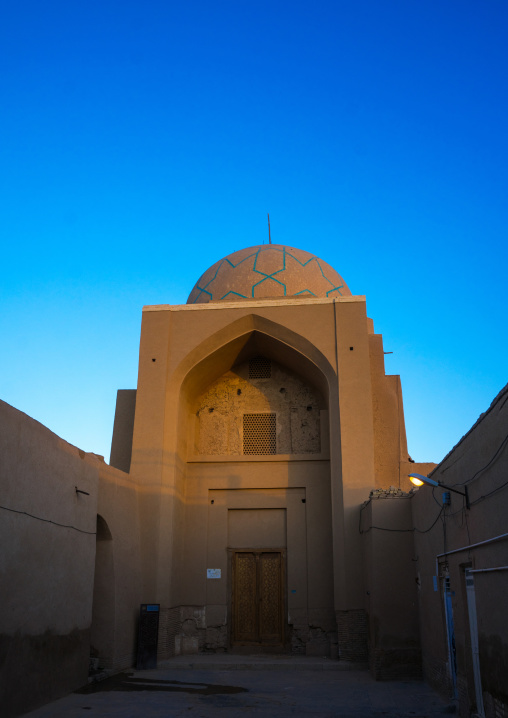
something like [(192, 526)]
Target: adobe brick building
[(263, 416)]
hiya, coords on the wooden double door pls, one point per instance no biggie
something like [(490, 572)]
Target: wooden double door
[(258, 598)]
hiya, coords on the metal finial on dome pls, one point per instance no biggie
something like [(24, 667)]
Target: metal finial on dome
[(269, 235)]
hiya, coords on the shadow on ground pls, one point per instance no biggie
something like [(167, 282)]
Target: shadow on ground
[(127, 682)]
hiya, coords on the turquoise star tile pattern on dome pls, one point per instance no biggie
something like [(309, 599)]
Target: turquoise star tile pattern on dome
[(268, 271)]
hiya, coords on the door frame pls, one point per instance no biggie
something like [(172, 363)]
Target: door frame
[(475, 648), (283, 604)]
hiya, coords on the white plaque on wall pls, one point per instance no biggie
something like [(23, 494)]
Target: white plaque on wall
[(213, 572)]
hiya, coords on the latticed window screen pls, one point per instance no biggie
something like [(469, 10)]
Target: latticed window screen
[(260, 368), (259, 435)]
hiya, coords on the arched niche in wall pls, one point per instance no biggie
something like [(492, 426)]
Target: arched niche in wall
[(226, 357), (103, 609)]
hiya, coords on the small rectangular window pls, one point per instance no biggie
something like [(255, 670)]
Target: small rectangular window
[(259, 434), (260, 368)]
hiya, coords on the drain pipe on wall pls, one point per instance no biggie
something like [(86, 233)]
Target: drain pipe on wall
[(473, 545), (471, 610)]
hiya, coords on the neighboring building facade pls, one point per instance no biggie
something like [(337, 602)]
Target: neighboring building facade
[(262, 421), (437, 573), (466, 652)]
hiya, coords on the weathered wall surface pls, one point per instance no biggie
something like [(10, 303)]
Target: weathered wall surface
[(392, 460), (118, 588), (121, 444), (220, 411), (300, 491), (389, 434), (479, 460), (391, 594), (47, 535)]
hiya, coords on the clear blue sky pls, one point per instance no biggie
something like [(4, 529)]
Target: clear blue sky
[(142, 141)]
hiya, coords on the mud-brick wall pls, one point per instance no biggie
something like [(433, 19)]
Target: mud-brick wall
[(391, 598), (220, 411), (47, 535), (473, 539)]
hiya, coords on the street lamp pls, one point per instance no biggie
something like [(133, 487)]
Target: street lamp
[(420, 480)]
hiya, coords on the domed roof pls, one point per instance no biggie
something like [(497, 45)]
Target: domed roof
[(268, 271)]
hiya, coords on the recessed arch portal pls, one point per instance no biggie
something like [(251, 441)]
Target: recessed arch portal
[(213, 484), (238, 343), (246, 338)]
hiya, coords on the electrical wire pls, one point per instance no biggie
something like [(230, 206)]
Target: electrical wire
[(491, 461), (481, 498), (383, 528), (442, 514), (434, 496), (485, 496), (467, 526), (48, 521)]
